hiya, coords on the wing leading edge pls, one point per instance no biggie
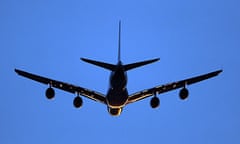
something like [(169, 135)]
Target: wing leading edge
[(65, 86), (170, 86)]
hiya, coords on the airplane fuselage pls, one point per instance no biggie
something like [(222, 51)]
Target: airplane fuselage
[(117, 94)]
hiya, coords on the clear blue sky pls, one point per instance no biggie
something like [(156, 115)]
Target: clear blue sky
[(191, 37)]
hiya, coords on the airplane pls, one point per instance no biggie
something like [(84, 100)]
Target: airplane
[(117, 96)]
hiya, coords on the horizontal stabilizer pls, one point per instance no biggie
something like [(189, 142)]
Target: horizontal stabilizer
[(138, 64), (100, 64)]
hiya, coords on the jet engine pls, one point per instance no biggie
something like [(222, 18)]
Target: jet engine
[(115, 111), (183, 94), (155, 102), (50, 93), (77, 102)]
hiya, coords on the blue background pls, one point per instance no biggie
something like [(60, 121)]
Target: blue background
[(48, 38)]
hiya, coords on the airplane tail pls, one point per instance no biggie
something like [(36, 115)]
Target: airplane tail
[(107, 65), (100, 64), (133, 65), (113, 67), (139, 64), (119, 42)]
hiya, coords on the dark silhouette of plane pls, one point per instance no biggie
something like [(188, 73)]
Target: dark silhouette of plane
[(117, 95)]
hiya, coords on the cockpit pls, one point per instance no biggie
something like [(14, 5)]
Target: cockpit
[(115, 111)]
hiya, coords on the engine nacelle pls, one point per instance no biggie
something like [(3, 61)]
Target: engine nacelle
[(77, 102), (50, 93), (115, 111), (183, 94), (155, 102)]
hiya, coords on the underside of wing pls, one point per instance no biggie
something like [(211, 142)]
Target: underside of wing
[(170, 86), (64, 86)]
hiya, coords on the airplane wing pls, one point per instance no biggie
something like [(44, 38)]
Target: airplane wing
[(65, 86), (170, 86)]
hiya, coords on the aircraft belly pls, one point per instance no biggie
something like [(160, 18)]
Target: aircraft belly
[(117, 98)]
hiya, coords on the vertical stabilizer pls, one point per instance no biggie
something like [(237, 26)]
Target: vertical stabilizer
[(119, 42)]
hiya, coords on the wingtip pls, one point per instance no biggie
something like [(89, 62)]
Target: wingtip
[(219, 71), (16, 70), (83, 59), (19, 72), (156, 59)]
